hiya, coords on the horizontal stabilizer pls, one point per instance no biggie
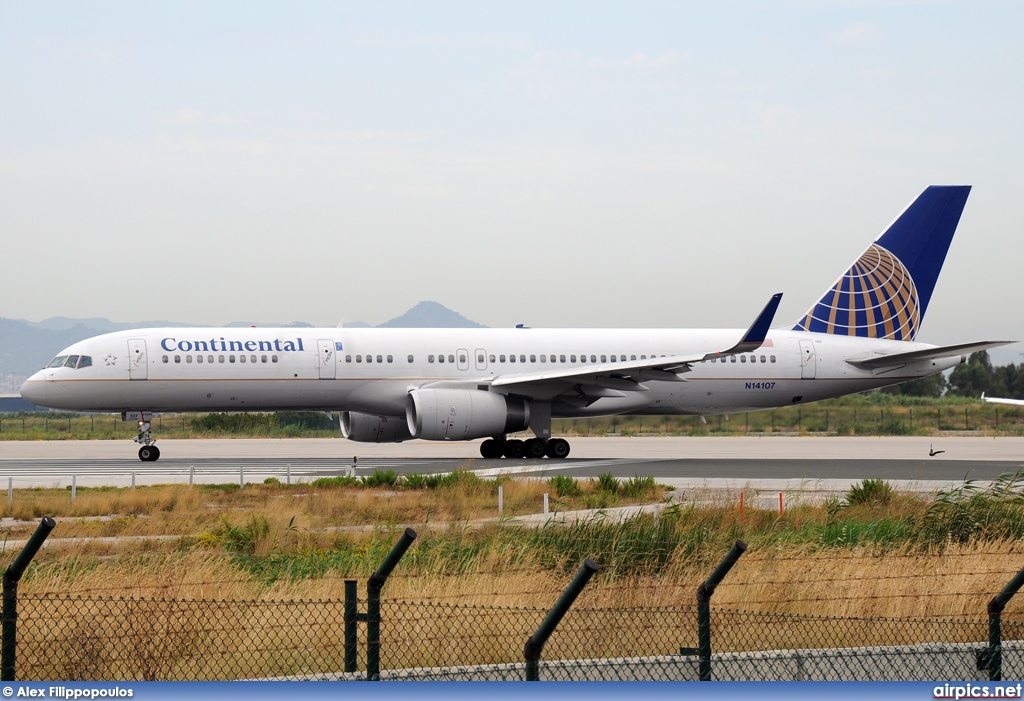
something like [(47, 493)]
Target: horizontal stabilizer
[(882, 361)]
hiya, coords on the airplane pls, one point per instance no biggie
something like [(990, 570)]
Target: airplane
[(392, 385), (1001, 400)]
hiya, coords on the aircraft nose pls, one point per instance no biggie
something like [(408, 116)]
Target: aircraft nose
[(34, 390)]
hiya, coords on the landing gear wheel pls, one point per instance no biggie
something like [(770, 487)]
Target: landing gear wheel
[(558, 448), (491, 449), (149, 453), (534, 448), (514, 449)]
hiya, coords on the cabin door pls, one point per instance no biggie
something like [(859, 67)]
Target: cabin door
[(808, 363), (138, 359), (326, 362)]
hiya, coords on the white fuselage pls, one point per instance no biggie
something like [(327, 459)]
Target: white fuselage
[(373, 370)]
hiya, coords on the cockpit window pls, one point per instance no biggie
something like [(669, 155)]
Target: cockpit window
[(71, 361)]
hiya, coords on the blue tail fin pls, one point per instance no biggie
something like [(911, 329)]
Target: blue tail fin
[(885, 293)]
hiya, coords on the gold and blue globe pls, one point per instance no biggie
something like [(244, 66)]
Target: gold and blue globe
[(875, 298)]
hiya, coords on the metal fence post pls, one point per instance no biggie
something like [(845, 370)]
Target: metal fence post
[(8, 646), (351, 618), (373, 587), (535, 644), (704, 593), (992, 658)]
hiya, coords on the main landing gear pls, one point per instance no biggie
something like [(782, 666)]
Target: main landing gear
[(148, 452), (557, 448)]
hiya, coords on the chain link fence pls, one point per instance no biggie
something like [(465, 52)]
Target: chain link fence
[(86, 638)]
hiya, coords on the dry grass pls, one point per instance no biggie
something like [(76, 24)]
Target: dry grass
[(270, 542)]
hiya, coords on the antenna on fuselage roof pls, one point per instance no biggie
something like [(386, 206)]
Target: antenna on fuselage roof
[(522, 326)]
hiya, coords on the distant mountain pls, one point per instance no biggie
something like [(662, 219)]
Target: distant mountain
[(431, 315), (26, 346)]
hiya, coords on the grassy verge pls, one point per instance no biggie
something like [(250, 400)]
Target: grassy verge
[(877, 553)]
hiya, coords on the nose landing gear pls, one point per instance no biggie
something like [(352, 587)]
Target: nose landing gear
[(148, 452)]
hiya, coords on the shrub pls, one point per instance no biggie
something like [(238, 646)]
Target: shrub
[(381, 478), (565, 485), (608, 483), (870, 492), (637, 486)]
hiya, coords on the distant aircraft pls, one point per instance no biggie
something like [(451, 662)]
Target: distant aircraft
[(391, 385), (1000, 400)]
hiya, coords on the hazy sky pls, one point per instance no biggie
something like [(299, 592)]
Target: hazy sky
[(557, 164)]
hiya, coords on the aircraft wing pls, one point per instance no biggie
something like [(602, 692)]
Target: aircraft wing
[(883, 361), (1001, 400), (629, 375)]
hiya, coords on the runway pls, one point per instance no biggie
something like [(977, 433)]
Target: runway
[(783, 463)]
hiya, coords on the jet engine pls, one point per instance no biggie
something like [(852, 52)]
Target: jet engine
[(464, 414), (370, 428)]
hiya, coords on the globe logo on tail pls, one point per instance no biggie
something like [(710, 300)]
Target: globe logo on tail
[(875, 298)]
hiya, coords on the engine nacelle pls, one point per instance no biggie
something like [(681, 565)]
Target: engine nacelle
[(464, 414), (370, 428)]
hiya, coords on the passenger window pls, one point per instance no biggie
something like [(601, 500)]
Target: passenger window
[(252, 358), (348, 358), (501, 358), (188, 358), (604, 359), (369, 358), (593, 358), (522, 358), (359, 358), (209, 359), (632, 357), (273, 358), (743, 358), (762, 358), (732, 358), (533, 359), (85, 362), (572, 358), (165, 359), (430, 358), (511, 359), (380, 359), (241, 358), (543, 359), (561, 358), (231, 358), (440, 358), (220, 358), (643, 357), (263, 358), (177, 359), (451, 359), (410, 358), (772, 358), (491, 358), (72, 361), (391, 358), (199, 359)]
